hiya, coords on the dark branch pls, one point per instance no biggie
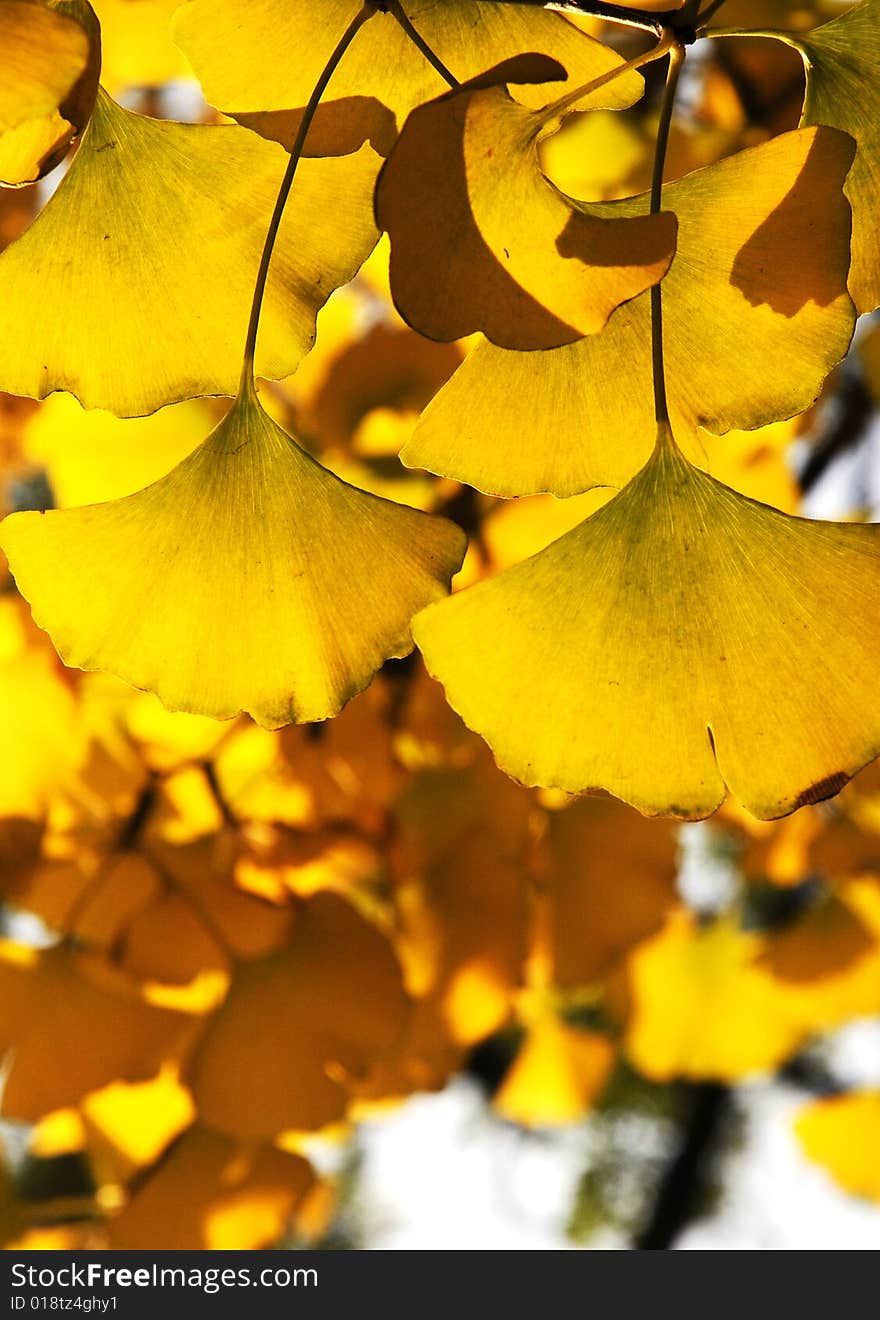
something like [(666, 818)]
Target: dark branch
[(688, 1175)]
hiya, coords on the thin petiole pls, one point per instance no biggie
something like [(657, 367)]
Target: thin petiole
[(558, 107), (790, 38), (658, 371), (247, 371), (666, 42), (645, 20), (396, 10)]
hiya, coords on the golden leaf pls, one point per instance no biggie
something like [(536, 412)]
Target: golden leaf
[(660, 651), (169, 222), (247, 579), (759, 277)]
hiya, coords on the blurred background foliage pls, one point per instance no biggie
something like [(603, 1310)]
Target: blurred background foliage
[(233, 959)]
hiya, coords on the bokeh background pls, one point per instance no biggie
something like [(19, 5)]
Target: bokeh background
[(346, 985)]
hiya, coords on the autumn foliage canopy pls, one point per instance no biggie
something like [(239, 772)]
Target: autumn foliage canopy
[(475, 327)]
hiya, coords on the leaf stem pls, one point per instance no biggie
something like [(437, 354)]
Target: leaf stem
[(247, 371), (789, 38), (631, 18), (676, 63), (396, 10), (666, 42)]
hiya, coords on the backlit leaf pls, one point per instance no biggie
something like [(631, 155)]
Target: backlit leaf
[(481, 240), (557, 1074), (297, 1024), (697, 1007), (209, 1193), (49, 64), (841, 60), (89, 1019), (660, 651), (759, 277), (326, 577), (842, 1133), (169, 222), (383, 76)]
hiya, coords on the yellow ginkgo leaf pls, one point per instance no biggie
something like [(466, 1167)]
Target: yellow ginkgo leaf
[(556, 1076), (481, 240), (659, 651), (93, 456), (298, 1028), (31, 150), (169, 222), (40, 743), (248, 579), (695, 1005), (843, 1134), (841, 60), (138, 50), (759, 276), (383, 75), (84, 1016), (209, 1193), (609, 882), (129, 1125), (826, 966), (49, 65), (43, 54)]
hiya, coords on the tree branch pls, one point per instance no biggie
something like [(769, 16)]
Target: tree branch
[(686, 1179)]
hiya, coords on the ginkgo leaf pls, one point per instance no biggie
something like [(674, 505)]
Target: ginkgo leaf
[(209, 1193), (39, 744), (90, 457), (481, 240), (248, 579), (591, 923), (841, 60), (842, 1133), (138, 50), (89, 1019), (49, 68), (759, 277), (31, 150), (695, 1005), (462, 935), (383, 75), (169, 222), (827, 965), (277, 1053), (43, 55), (556, 1076), (660, 651), (128, 1125)]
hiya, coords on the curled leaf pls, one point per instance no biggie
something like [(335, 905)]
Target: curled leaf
[(44, 53), (49, 66), (249, 578), (481, 240), (759, 277), (660, 651)]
